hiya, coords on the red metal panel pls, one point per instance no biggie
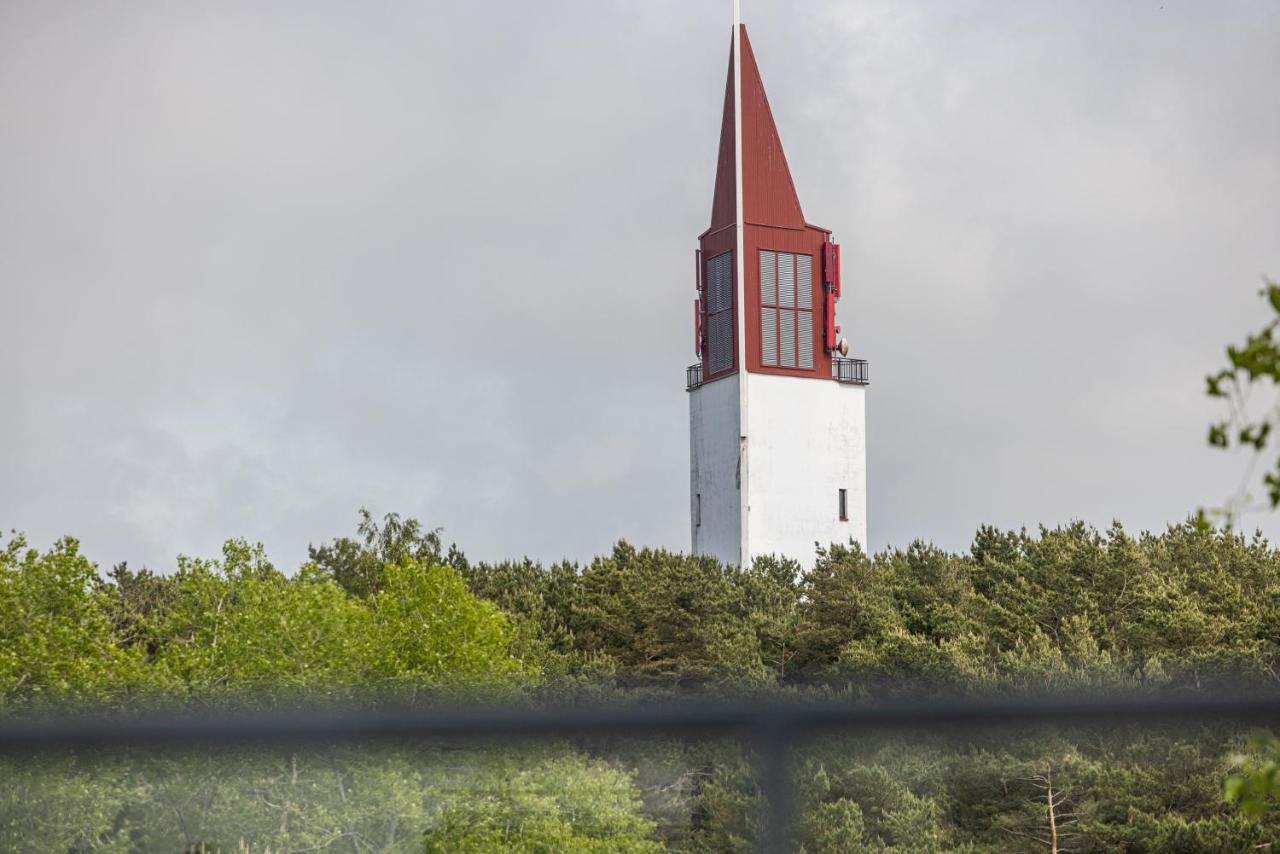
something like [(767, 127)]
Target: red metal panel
[(807, 241), (725, 198), (768, 193), (772, 219), (831, 267), (831, 285)]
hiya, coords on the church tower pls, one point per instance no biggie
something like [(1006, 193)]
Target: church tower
[(777, 424)]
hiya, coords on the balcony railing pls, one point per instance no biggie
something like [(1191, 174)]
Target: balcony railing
[(853, 371)]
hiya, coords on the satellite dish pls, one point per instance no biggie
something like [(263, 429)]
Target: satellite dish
[(843, 346)]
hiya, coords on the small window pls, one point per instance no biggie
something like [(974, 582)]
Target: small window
[(697, 510), (844, 505)]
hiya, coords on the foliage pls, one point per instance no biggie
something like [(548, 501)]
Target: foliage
[(357, 565), (554, 799), (392, 614), (1256, 778), (57, 642), (1254, 364)]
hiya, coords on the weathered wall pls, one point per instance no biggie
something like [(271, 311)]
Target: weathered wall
[(713, 468), (806, 439)]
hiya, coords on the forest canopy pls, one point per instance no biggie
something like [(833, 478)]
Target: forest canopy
[(391, 614)]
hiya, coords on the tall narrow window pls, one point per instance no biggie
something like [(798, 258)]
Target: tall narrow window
[(786, 310), (719, 307), (697, 510), (844, 506)]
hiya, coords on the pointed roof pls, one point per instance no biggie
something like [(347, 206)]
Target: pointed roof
[(768, 193)]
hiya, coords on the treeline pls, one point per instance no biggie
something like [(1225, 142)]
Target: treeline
[(1065, 609), (393, 614)]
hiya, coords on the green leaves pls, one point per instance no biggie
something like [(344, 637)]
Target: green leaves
[(1254, 434), (1058, 610), (1256, 780), (1216, 383), (1255, 362)]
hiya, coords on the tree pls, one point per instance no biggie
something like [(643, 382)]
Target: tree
[(57, 641), (356, 565), (667, 619), (1253, 364), (1053, 821)]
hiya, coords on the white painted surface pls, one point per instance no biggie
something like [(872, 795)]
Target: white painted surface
[(713, 469), (744, 410), (806, 440)]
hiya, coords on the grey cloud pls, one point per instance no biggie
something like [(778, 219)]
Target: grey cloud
[(262, 265)]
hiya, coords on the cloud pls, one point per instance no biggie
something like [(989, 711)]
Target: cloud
[(261, 266)]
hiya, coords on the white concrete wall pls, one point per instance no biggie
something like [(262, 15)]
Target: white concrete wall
[(713, 469), (806, 439)]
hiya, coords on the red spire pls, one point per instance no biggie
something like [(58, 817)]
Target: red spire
[(768, 193)]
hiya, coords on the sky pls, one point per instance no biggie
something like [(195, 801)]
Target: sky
[(262, 265)]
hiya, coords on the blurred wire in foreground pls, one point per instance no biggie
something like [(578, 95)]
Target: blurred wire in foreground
[(772, 729)]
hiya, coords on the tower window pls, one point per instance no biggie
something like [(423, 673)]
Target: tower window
[(697, 510), (786, 310), (719, 307), (844, 505)]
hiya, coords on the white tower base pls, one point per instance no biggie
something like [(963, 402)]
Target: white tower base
[(805, 440)]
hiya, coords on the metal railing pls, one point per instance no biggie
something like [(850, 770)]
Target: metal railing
[(771, 729), (693, 377), (855, 371)]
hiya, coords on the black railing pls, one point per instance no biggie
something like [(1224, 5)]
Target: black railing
[(693, 377), (772, 730), (853, 371)]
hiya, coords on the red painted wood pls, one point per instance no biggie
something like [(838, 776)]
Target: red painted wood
[(772, 213), (726, 193), (806, 241), (768, 193)]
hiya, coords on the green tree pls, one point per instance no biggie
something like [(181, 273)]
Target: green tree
[(357, 564), (1250, 365), (668, 619), (57, 641)]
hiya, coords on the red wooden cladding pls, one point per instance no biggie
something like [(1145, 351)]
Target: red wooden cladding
[(768, 193), (804, 241), (726, 192), (772, 220)]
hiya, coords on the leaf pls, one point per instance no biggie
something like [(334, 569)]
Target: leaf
[(1255, 435), (1218, 435), (1273, 295), (1201, 521), (1215, 381)]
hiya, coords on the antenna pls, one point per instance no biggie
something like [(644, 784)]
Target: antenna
[(737, 12)]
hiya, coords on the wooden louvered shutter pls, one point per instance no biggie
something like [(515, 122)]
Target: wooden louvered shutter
[(768, 309), (720, 313), (804, 316)]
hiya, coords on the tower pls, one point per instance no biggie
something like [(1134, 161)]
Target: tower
[(777, 424)]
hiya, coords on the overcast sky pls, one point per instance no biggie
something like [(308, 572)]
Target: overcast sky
[(262, 264)]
